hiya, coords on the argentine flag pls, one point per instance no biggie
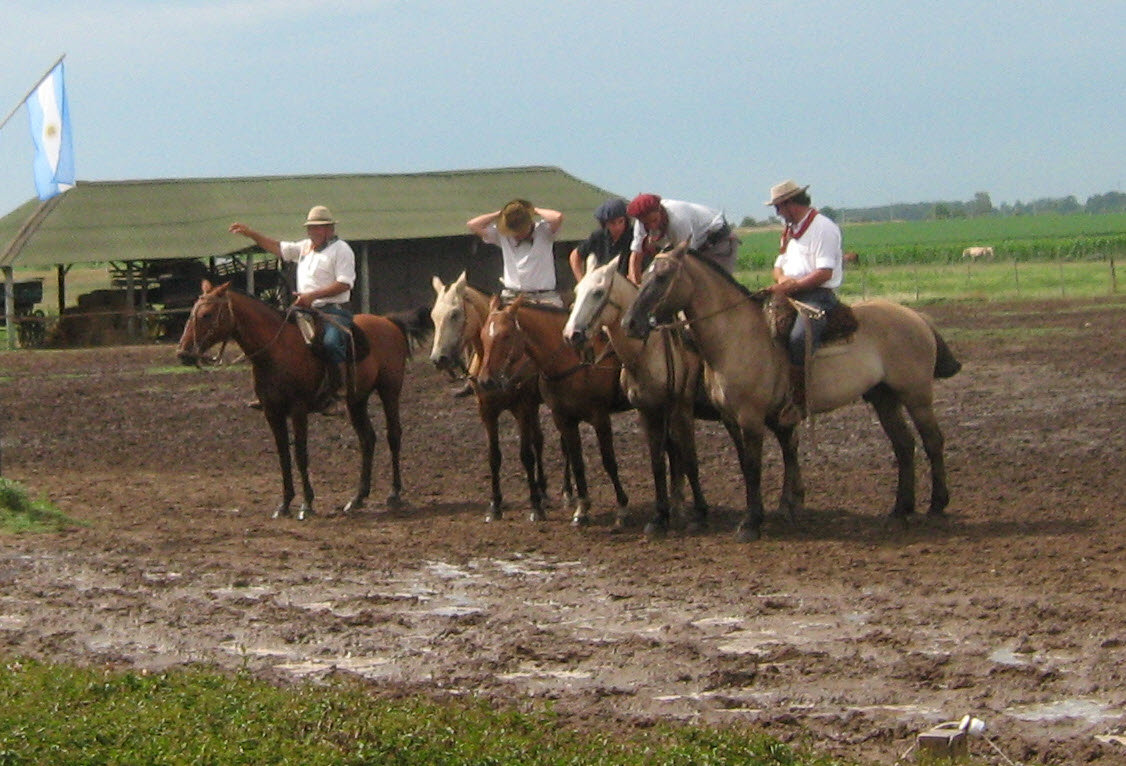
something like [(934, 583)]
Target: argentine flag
[(50, 130)]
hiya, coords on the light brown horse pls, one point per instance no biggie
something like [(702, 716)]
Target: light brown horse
[(458, 315), (662, 377), (891, 361), (287, 376), (520, 335)]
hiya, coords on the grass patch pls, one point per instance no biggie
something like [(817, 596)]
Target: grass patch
[(21, 514), (62, 714)]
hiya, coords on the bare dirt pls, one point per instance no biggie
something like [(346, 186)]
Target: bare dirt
[(841, 631)]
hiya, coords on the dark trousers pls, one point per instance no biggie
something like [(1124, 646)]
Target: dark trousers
[(822, 298), (335, 339)]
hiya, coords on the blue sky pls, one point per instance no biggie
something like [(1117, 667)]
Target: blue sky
[(870, 103)]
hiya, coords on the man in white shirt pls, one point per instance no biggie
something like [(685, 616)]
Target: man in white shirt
[(527, 247), (659, 223), (326, 272), (809, 269)]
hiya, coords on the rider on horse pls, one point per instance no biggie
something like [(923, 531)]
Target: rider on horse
[(808, 269), (326, 272)]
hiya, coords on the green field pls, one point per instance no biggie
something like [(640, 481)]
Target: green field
[(1023, 238)]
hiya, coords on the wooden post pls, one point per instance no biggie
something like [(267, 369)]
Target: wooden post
[(1113, 276), (365, 279), (10, 307), (250, 274)]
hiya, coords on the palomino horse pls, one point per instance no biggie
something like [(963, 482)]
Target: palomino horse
[(574, 390), (891, 361), (459, 314), (661, 377), (287, 376)]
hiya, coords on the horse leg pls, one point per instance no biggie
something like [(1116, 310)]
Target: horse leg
[(489, 419), (390, 399), (933, 444), (573, 454), (280, 430), (531, 456), (682, 434), (750, 528), (654, 425), (888, 409), (792, 499), (365, 434), (301, 453), (605, 432)]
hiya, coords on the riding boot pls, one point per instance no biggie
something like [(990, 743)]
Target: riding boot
[(793, 410), (331, 387)]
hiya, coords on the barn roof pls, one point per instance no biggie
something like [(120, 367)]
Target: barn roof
[(177, 218)]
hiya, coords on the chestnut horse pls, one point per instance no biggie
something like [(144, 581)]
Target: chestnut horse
[(520, 335), (287, 376), (458, 315), (663, 378), (891, 361)]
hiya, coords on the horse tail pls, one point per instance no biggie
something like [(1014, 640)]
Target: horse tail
[(946, 365), (416, 326)]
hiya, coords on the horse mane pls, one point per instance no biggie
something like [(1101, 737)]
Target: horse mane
[(758, 296)]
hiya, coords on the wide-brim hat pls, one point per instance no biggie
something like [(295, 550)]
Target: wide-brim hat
[(319, 215), (779, 193), (516, 218)]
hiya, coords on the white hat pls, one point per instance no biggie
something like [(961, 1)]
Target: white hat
[(319, 215), (779, 193)]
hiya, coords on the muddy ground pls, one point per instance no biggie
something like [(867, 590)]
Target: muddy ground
[(841, 630)]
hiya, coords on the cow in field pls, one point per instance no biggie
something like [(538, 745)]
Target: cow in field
[(977, 252), (851, 257)]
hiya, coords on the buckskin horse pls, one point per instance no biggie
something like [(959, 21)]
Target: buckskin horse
[(523, 334), (287, 376), (458, 315), (662, 378), (890, 361)]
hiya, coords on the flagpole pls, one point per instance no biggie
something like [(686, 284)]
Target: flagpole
[(23, 100)]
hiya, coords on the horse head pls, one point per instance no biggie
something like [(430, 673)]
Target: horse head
[(502, 340), (449, 317), (211, 321), (664, 291), (594, 294)]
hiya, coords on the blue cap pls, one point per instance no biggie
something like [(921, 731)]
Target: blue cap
[(610, 209)]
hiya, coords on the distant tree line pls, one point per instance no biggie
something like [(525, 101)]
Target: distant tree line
[(981, 205)]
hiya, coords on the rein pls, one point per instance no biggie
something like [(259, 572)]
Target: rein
[(217, 360)]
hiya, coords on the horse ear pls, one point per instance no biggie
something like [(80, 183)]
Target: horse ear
[(494, 303), (591, 263), (613, 264), (439, 287), (462, 279), (680, 249), (221, 289)]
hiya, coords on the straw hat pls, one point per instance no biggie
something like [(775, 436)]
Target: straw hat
[(319, 215), (516, 218), (779, 193)]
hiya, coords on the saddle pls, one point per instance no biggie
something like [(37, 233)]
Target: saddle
[(781, 314), (313, 322)]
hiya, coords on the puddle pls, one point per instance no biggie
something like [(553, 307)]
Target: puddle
[(1088, 710)]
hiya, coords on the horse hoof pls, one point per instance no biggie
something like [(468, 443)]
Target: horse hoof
[(747, 533), (305, 513), (579, 521), (537, 514), (656, 530), (281, 512), (493, 513), (354, 504), (394, 502)]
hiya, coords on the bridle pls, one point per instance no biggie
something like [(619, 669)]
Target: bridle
[(684, 323), (225, 303)]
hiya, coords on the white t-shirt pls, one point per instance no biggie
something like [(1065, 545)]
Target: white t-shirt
[(529, 266), (317, 269), (818, 248), (687, 220)]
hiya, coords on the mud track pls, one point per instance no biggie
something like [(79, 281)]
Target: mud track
[(840, 630)]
